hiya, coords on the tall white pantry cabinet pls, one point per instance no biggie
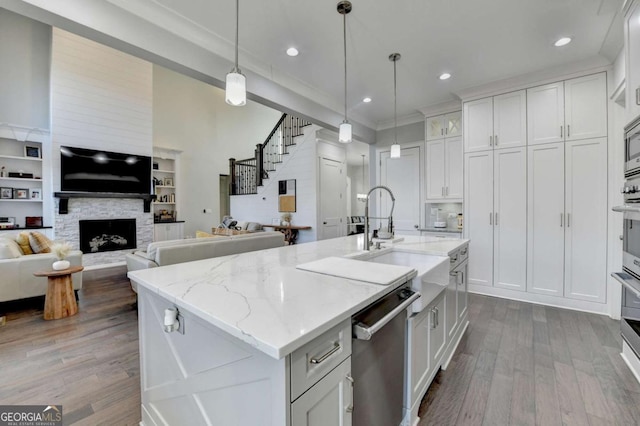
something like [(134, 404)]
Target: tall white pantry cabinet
[(536, 209)]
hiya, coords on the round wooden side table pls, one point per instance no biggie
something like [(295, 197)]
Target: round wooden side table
[(60, 302)]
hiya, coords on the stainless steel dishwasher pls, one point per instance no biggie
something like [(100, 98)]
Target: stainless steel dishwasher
[(378, 357)]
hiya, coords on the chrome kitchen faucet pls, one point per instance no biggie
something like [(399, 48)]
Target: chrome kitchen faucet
[(367, 241)]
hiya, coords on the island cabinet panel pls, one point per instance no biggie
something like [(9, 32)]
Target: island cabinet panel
[(205, 376)]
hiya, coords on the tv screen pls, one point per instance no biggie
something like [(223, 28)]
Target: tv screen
[(88, 170)]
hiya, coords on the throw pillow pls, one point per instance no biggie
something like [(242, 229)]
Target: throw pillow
[(9, 249), (23, 241), (39, 242), (202, 234)]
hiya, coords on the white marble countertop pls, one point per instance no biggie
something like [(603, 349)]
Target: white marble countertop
[(262, 299)]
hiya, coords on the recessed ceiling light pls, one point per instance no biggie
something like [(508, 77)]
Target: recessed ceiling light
[(292, 51), (445, 76), (562, 41), (366, 100)]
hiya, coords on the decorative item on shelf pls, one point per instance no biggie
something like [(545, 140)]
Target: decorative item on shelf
[(35, 194), (459, 220), (21, 175), (32, 151), (345, 132), (7, 223), (2, 172), (155, 165), (21, 194), (168, 181), (6, 193), (61, 250), (286, 219), (33, 222)]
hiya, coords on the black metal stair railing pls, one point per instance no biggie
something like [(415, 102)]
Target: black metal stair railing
[(247, 175)]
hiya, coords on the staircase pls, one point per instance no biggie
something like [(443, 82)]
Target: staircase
[(247, 175)]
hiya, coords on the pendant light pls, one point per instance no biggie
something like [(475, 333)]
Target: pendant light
[(236, 83), (362, 196), (395, 148), (344, 134)]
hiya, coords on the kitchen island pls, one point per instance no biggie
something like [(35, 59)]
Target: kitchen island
[(248, 324)]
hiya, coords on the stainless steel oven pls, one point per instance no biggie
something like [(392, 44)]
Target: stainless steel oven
[(632, 148), (630, 238), (630, 313)]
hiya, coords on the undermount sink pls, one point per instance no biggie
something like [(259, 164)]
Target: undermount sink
[(433, 271)]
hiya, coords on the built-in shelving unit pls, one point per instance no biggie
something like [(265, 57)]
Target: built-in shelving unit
[(165, 184), (21, 152)]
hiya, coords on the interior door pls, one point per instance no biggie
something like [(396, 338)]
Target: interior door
[(435, 169), (402, 177), (545, 239), (510, 119), (510, 220), (332, 198), (586, 220), (545, 114), (478, 217)]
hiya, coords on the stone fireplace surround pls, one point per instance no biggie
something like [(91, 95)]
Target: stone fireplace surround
[(67, 226)]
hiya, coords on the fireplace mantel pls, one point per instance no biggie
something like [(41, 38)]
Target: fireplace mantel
[(63, 207)]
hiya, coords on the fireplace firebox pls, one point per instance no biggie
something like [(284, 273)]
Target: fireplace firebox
[(107, 235)]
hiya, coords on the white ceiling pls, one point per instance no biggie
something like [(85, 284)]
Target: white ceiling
[(478, 42)]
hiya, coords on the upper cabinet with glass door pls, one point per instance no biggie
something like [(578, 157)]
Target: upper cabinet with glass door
[(444, 126)]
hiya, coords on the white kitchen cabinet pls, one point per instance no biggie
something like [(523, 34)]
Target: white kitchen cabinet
[(545, 240), (168, 231), (510, 120), (510, 218), (496, 217), (419, 369), (586, 220), (571, 110), (478, 207), (329, 402), (495, 122), (567, 220), (437, 328), (444, 126), (451, 311), (545, 114), (632, 59), (444, 169), (478, 125), (462, 293)]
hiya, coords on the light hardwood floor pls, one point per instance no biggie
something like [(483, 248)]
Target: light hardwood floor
[(517, 364)]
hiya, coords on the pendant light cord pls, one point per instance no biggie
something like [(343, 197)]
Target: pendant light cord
[(344, 38), (395, 103), (237, 31)]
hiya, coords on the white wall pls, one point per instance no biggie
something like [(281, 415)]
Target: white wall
[(192, 116), (101, 99), (300, 164), (25, 49)]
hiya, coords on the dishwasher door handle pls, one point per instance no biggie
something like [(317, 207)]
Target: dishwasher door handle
[(361, 332)]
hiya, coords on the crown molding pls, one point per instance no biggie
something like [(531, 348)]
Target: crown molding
[(441, 108), (546, 76)]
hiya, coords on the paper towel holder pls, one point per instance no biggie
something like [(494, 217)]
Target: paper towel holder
[(173, 321)]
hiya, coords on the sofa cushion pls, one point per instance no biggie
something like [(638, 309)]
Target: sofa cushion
[(202, 234), (152, 249), (39, 242), (23, 241), (9, 249)]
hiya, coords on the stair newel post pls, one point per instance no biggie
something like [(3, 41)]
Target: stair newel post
[(259, 164), (232, 173)]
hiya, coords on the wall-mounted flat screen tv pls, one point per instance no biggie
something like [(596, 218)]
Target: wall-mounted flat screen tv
[(88, 170)]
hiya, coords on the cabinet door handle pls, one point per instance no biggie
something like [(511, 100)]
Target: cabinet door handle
[(496, 219), (490, 140), (561, 220), (568, 220), (441, 132), (336, 348), (638, 96), (415, 226), (349, 408), (568, 130), (561, 131), (446, 191), (490, 218), (495, 140), (437, 317), (433, 318)]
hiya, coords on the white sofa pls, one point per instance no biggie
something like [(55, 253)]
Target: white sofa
[(16, 275), (162, 253)]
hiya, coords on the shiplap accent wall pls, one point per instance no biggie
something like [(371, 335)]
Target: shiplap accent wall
[(101, 99), (300, 164)]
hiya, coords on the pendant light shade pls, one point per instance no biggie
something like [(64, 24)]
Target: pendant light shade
[(395, 148), (345, 134), (236, 83)]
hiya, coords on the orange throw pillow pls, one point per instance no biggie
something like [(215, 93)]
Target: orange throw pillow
[(23, 241), (39, 242)]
